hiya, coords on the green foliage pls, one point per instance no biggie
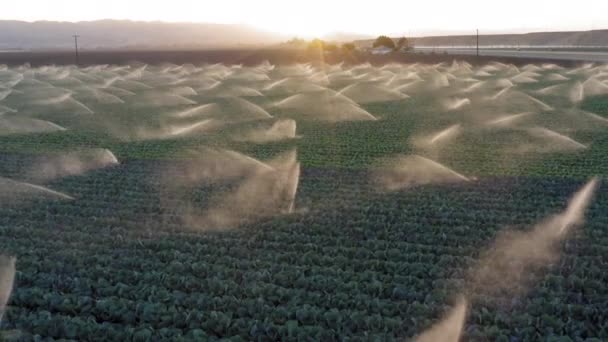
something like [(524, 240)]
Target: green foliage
[(403, 44), (354, 263), (357, 264), (384, 41), (316, 44), (331, 47), (321, 45), (349, 47), (296, 42)]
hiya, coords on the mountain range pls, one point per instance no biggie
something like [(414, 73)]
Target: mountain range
[(594, 38), (129, 34), (126, 34)]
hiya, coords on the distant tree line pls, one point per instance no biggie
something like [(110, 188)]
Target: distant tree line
[(319, 44), (403, 44)]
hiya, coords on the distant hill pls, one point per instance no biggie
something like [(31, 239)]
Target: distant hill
[(125, 34), (116, 34), (574, 38)]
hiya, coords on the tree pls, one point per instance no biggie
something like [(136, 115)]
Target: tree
[(331, 47), (296, 42), (316, 44), (348, 47), (384, 41), (403, 44)]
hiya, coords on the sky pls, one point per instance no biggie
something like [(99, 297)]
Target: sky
[(311, 18)]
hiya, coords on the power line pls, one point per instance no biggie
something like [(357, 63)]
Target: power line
[(477, 42)]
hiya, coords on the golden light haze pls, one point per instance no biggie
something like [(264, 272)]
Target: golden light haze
[(316, 17)]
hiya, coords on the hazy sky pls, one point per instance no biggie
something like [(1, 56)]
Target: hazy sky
[(317, 17)]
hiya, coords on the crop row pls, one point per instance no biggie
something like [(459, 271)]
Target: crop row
[(361, 263)]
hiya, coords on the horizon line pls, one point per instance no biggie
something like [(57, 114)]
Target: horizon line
[(437, 33)]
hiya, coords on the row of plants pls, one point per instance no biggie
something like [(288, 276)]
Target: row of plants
[(338, 270)]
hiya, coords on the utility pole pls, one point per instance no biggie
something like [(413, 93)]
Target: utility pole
[(76, 49), (477, 42)]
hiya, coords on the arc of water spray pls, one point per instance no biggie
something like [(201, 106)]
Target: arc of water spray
[(445, 133), (456, 103), (538, 250), (407, 171), (5, 181), (81, 105), (255, 162), (543, 105), (265, 192), (444, 168), (54, 100), (179, 130), (202, 109), (7, 278), (509, 118), (4, 94), (595, 116), (474, 87), (51, 124), (47, 190), (448, 329), (549, 133), (574, 214), (577, 94), (500, 93)]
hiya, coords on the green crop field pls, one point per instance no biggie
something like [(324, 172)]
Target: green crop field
[(304, 202)]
